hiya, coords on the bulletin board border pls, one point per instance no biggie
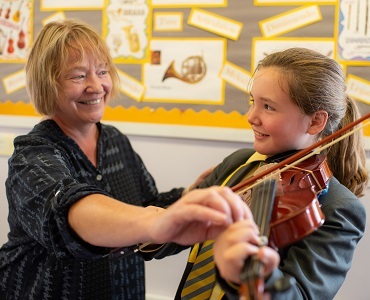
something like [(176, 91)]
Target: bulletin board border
[(150, 129)]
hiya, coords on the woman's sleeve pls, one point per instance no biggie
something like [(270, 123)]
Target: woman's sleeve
[(41, 189)]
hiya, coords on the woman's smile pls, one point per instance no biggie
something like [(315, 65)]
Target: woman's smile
[(91, 102)]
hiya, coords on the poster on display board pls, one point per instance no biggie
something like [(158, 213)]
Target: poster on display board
[(353, 27), (185, 66), (16, 19)]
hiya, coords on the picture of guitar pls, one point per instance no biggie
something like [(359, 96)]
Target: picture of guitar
[(17, 14)]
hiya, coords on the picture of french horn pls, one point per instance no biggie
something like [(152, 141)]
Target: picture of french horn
[(193, 70)]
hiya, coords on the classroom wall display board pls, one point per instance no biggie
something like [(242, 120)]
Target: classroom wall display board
[(185, 65)]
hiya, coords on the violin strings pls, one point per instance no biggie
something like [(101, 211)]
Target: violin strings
[(264, 209), (261, 205), (312, 174)]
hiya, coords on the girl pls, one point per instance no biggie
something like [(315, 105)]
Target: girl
[(297, 98)]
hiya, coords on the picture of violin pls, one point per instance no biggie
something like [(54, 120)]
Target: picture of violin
[(10, 49), (21, 40), (7, 15)]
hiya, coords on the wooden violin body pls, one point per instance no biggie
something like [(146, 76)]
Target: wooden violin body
[(297, 211)]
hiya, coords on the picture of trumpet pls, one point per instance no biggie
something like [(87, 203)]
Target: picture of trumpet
[(193, 70)]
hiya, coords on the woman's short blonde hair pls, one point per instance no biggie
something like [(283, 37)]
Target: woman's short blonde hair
[(49, 56)]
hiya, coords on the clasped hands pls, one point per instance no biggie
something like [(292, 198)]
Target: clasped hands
[(220, 214)]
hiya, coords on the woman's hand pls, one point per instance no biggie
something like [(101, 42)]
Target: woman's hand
[(235, 245), (200, 215)]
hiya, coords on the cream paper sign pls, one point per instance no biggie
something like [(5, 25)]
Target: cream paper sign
[(293, 2), (215, 23), (71, 4), (235, 76), (168, 21), (358, 88), (15, 82), (290, 21), (187, 3), (131, 86), (262, 46)]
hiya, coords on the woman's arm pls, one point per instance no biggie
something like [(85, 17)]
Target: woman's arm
[(200, 215)]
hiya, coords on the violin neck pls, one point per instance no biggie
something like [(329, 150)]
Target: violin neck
[(262, 203)]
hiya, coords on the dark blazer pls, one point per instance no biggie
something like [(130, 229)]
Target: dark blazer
[(319, 262)]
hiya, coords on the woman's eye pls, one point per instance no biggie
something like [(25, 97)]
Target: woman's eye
[(78, 76)]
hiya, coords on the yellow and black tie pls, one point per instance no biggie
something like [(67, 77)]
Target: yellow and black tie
[(200, 284), (201, 280)]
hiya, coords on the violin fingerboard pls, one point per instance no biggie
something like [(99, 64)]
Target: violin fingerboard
[(262, 203)]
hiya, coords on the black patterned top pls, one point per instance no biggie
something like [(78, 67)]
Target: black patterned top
[(43, 258)]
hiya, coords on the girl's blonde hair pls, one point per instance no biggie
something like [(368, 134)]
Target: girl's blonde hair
[(49, 56), (317, 82)]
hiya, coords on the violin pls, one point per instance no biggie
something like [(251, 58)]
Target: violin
[(285, 210), (296, 211)]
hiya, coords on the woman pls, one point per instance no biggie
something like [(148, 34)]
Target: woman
[(297, 98), (77, 190)]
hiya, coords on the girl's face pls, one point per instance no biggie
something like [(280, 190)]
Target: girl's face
[(278, 124), (85, 90)]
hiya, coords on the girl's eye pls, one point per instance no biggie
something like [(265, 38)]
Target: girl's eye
[(268, 107)]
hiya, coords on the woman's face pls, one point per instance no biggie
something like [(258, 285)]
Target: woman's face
[(278, 124), (85, 90)]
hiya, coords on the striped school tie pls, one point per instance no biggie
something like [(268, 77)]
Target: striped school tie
[(200, 284), (201, 280)]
